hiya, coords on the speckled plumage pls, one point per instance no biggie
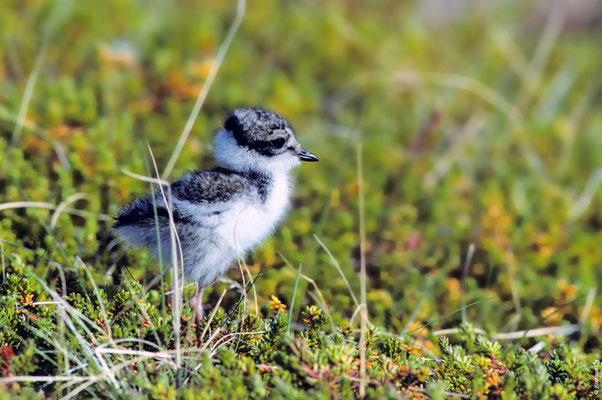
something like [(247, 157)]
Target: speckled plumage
[(226, 211), (256, 129)]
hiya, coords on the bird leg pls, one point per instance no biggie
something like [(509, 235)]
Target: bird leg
[(197, 304)]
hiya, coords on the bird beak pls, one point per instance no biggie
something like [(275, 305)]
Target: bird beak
[(305, 155)]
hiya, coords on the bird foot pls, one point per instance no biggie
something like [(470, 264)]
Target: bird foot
[(197, 305)]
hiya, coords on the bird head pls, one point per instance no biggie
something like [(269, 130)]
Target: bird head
[(254, 139)]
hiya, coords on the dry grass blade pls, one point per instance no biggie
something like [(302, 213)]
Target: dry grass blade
[(221, 54), (553, 330), (2, 259), (240, 263), (29, 86), (211, 339), (467, 262), (338, 267), (466, 134), (34, 378), (227, 338), (250, 277), (589, 302), (584, 200), (322, 301), (412, 318), (91, 380), (176, 250), (49, 206), (208, 324), (455, 81), (144, 178), (242, 298), (129, 352), (363, 305), (450, 331), (61, 207), (98, 297)]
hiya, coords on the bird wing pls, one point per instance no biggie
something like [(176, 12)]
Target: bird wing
[(218, 185), (142, 212), (199, 188)]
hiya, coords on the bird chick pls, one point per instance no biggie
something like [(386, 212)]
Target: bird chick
[(226, 211)]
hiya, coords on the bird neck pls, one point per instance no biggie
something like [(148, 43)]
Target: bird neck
[(258, 174), (268, 183)]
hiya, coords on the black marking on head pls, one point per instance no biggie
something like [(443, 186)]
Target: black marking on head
[(259, 129), (233, 125)]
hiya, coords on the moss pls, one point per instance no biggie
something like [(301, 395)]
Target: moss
[(463, 142)]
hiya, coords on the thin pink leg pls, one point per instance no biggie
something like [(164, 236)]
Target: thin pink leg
[(197, 304)]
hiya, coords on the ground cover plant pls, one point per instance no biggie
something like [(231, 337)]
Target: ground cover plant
[(447, 245)]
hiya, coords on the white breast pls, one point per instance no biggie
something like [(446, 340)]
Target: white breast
[(248, 223)]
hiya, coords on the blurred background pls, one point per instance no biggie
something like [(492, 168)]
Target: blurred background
[(471, 129)]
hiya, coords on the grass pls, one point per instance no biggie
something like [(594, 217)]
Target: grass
[(446, 245)]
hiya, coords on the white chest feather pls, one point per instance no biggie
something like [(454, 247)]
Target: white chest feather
[(248, 223)]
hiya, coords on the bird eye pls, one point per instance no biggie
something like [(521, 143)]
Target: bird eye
[(278, 143)]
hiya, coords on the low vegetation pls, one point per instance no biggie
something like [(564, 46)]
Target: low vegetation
[(457, 197)]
